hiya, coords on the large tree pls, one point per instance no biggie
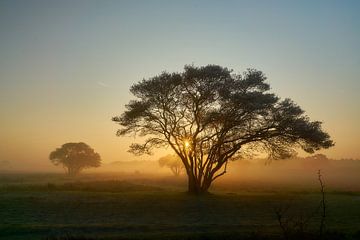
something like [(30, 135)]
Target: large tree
[(75, 157), (210, 115)]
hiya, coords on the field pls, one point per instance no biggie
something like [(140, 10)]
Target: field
[(51, 206)]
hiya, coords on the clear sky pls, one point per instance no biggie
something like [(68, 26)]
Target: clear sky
[(66, 66)]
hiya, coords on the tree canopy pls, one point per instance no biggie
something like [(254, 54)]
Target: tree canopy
[(209, 115), (173, 162), (75, 157)]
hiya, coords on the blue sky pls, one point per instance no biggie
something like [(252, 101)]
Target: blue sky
[(66, 66)]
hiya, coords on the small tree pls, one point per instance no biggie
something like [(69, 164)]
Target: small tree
[(75, 157), (209, 116), (173, 162), (294, 224)]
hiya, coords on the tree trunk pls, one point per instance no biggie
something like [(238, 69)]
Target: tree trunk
[(72, 171), (69, 171), (175, 171), (195, 187), (206, 184)]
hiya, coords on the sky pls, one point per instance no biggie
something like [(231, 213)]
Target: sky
[(66, 66)]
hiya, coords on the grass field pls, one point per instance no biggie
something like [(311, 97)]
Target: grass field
[(49, 206)]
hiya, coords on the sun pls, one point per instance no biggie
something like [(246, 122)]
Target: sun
[(187, 144)]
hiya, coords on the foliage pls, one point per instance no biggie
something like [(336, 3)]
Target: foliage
[(173, 162), (75, 157), (318, 158), (209, 116)]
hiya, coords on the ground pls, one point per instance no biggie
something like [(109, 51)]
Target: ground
[(118, 209)]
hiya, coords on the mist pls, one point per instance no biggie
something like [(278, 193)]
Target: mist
[(298, 174), (255, 174)]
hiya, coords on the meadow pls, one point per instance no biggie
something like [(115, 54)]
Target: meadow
[(136, 206)]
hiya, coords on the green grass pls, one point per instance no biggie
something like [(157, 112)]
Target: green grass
[(122, 210)]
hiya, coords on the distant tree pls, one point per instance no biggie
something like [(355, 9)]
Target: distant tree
[(75, 157), (318, 157), (173, 162), (316, 161), (209, 116)]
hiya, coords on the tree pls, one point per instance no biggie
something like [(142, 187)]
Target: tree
[(209, 116), (318, 157), (75, 157), (173, 162), (316, 161)]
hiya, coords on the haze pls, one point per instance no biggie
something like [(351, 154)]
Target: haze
[(66, 66)]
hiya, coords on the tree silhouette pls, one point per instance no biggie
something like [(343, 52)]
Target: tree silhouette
[(209, 116), (75, 157), (173, 162), (316, 161)]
